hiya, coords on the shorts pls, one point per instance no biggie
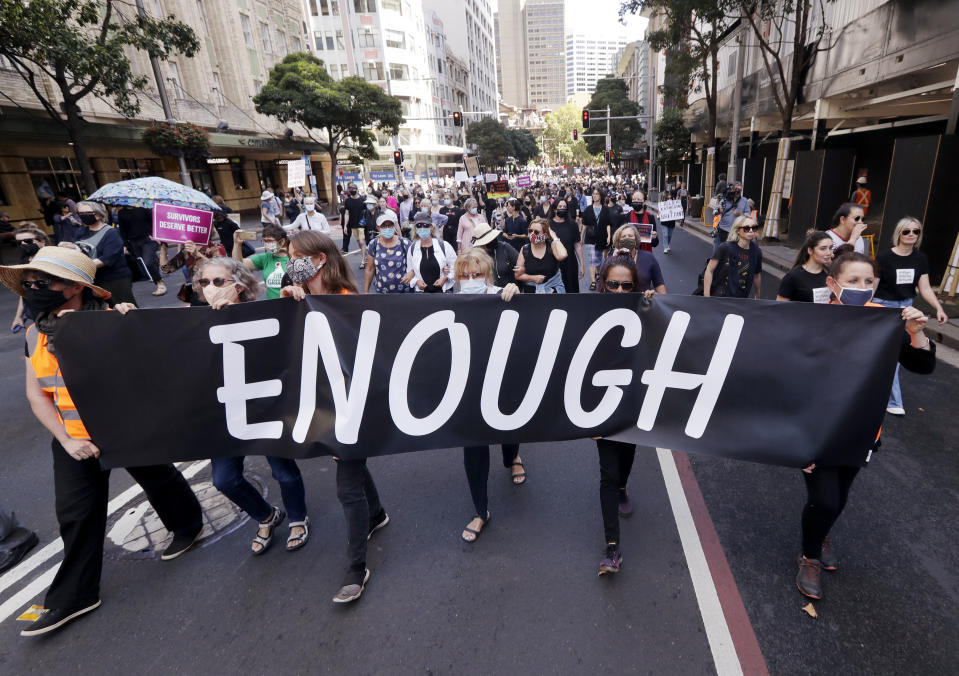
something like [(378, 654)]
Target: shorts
[(358, 233)]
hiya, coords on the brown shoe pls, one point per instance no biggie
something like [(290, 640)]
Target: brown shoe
[(827, 558), (160, 290), (808, 578)]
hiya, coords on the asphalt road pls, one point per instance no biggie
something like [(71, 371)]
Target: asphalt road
[(525, 597)]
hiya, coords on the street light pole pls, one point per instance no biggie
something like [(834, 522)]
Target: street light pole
[(165, 102)]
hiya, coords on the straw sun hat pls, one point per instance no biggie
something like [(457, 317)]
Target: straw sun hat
[(62, 262)]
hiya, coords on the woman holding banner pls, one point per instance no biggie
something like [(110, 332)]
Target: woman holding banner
[(852, 280), (474, 274), (272, 262), (221, 282), (316, 268), (626, 238)]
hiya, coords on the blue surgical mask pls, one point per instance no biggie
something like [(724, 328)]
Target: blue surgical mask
[(424, 233), (387, 233), (849, 296), (371, 206), (473, 211), (446, 202), (472, 285)]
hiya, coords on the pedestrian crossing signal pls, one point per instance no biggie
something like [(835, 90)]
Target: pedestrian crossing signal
[(398, 157), (585, 119), (575, 134), (457, 118)]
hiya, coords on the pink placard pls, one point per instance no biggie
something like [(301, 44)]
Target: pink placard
[(523, 181), (181, 224)]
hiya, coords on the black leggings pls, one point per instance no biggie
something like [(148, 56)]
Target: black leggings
[(615, 464), (476, 463), (827, 490)]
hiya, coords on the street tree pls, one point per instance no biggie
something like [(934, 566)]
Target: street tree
[(299, 90), (558, 136), (613, 92), (525, 147), (672, 140), (80, 45), (692, 33), (491, 141)]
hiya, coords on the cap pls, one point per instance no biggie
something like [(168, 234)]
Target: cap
[(388, 216), (423, 217)]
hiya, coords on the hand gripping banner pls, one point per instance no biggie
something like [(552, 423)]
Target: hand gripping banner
[(355, 376)]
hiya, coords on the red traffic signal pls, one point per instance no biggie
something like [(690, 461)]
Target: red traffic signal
[(585, 119), (457, 118), (575, 134), (398, 157), (607, 156)]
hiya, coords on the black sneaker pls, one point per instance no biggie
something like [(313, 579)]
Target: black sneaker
[(612, 561), (180, 544), (52, 619), (377, 523), (353, 586)]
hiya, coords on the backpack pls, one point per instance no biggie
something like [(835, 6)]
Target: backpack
[(89, 245), (720, 286)]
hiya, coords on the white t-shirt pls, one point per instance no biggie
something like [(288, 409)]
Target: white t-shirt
[(305, 221), (837, 241)]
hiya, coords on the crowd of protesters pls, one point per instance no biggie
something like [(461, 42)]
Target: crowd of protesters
[(438, 237)]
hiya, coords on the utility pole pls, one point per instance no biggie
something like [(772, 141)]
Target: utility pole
[(731, 172)]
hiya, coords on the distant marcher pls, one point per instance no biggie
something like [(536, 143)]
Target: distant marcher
[(806, 281), (743, 259), (848, 224), (862, 196), (104, 245)]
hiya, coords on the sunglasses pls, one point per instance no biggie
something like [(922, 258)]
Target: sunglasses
[(613, 284), (857, 218), (749, 228), (217, 282), (42, 283), (27, 239), (912, 232)]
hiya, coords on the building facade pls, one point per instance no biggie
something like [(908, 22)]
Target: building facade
[(589, 59), (633, 68), (545, 23), (512, 76)]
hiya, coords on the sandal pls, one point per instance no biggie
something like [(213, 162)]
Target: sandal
[(302, 537), (270, 526), (475, 533), (519, 475), (592, 286)]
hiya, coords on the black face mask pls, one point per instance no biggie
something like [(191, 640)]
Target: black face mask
[(639, 206), (352, 192), (27, 250), (492, 246), (562, 212), (88, 219), (43, 301)]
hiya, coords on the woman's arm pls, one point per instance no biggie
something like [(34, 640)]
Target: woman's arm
[(708, 276), (928, 295), (559, 251), (368, 275), (757, 284)]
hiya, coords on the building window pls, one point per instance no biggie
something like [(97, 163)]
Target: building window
[(392, 5), (200, 175), (247, 30), (396, 39), (365, 37), (373, 70), (257, 86), (329, 40), (52, 176), (365, 6), (280, 43), (318, 41), (175, 80), (237, 173), (135, 168), (339, 40), (399, 71), (313, 11), (218, 90), (265, 36), (265, 171)]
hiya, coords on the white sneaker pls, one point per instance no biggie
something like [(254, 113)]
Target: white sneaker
[(896, 410)]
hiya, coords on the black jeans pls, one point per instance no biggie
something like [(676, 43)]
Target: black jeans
[(615, 464), (827, 489), (361, 505), (476, 463), (146, 248), (82, 491), (121, 291)]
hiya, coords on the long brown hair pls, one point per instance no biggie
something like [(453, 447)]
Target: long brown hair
[(335, 273)]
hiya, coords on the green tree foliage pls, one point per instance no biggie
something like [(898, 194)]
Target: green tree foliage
[(672, 140), (691, 35), (558, 137), (525, 147), (300, 90), (613, 92), (492, 143), (80, 45)]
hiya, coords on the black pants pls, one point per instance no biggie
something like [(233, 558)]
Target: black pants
[(146, 248), (827, 490), (476, 463), (361, 505), (82, 491), (570, 270), (346, 234), (121, 291), (615, 464)]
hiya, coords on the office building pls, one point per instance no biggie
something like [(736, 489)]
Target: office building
[(589, 59)]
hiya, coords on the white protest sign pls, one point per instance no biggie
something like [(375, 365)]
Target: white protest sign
[(461, 176), (491, 177), (671, 210), (295, 174)]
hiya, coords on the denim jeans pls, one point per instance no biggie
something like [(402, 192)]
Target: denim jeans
[(666, 234), (895, 396), (552, 285), (229, 480), (719, 236)]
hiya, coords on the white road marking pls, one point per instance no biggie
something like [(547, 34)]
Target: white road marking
[(717, 631), (18, 572)]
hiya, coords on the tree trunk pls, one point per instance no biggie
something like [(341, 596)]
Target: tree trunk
[(74, 126), (334, 196)]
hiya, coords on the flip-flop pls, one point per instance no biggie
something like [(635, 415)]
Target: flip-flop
[(476, 533), (519, 475)]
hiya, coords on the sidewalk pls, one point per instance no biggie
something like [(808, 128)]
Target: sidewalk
[(781, 257)]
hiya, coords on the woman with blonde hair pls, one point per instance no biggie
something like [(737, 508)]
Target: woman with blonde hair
[(626, 238), (742, 259), (904, 270), (467, 224)]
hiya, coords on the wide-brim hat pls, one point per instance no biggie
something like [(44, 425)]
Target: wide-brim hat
[(65, 263), (484, 234)]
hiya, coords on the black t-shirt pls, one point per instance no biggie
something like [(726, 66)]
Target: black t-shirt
[(355, 206), (451, 227), (546, 266), (134, 222), (743, 265), (568, 233), (801, 285), (899, 275), (429, 269)]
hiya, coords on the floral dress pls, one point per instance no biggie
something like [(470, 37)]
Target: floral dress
[(389, 266)]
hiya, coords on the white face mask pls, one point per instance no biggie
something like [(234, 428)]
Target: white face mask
[(310, 207), (213, 294), (472, 285)]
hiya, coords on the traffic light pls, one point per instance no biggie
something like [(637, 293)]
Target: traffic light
[(398, 157), (575, 134), (457, 118), (585, 119), (607, 156)]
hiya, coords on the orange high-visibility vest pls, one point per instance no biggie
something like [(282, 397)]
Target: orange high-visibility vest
[(863, 197), (47, 369)]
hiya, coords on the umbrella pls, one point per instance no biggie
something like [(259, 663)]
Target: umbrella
[(144, 192)]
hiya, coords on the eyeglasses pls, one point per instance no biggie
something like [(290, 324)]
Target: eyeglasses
[(218, 282), (911, 231), (42, 283), (472, 275), (613, 284), (748, 228)]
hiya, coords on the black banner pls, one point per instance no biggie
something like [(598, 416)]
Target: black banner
[(355, 376)]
